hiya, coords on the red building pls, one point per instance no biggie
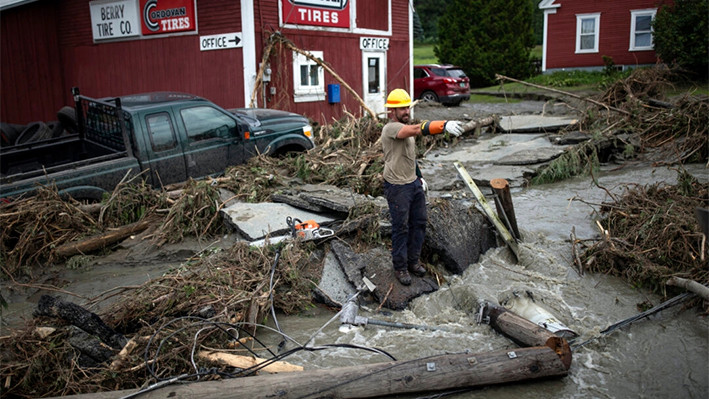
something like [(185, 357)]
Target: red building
[(577, 34), (211, 48)]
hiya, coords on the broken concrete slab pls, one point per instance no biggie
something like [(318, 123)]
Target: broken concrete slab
[(530, 157), (534, 123), (570, 138), (351, 263), (334, 283), (255, 221), (457, 234), (323, 198)]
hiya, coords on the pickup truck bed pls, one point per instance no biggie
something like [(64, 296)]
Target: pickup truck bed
[(35, 159)]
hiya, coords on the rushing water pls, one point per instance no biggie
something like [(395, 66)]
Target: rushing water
[(663, 356)]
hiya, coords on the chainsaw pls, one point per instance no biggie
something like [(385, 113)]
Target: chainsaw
[(305, 231)]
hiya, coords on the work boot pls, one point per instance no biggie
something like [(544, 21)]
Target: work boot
[(417, 270), (403, 277)]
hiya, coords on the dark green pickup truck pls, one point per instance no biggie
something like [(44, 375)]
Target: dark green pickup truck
[(171, 136)]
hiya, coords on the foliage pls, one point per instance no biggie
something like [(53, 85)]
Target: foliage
[(429, 11), (487, 37), (681, 34)]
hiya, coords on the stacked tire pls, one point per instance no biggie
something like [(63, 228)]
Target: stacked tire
[(14, 134)]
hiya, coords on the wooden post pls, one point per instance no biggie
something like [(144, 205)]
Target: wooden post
[(487, 209), (525, 333), (504, 206), (435, 373)]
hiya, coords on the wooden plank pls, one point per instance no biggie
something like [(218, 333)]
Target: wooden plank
[(435, 373), (487, 209)]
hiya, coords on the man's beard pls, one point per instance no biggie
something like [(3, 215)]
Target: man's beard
[(403, 118)]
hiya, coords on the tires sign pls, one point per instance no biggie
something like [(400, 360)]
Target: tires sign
[(326, 13), (114, 19), (167, 16)]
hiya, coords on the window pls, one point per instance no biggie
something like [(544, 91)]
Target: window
[(641, 29), (162, 135), (373, 73), (587, 32), (204, 123), (420, 73), (308, 78)]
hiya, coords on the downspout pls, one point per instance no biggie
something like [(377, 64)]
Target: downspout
[(248, 51)]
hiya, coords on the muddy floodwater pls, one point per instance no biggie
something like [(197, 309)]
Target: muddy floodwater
[(663, 356)]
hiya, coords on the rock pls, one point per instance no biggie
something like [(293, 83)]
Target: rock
[(380, 271), (528, 157), (457, 234)]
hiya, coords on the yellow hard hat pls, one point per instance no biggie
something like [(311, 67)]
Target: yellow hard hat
[(398, 98)]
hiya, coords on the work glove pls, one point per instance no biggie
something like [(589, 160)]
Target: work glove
[(454, 128), (424, 185)]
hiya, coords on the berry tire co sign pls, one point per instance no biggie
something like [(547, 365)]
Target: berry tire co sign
[(325, 13), (122, 19)]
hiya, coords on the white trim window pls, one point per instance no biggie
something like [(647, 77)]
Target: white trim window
[(587, 32), (308, 78), (641, 29)]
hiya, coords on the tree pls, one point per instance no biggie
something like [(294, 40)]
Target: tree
[(486, 37), (680, 35), (429, 11)]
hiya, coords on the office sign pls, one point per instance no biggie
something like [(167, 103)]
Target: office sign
[(114, 19), (373, 44), (326, 13), (220, 42)]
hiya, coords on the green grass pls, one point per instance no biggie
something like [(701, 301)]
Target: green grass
[(423, 54), (485, 99)]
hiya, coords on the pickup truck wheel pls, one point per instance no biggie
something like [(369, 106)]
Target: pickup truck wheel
[(67, 117), (35, 131), (9, 133)]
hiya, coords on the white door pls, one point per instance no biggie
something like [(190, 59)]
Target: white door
[(374, 71)]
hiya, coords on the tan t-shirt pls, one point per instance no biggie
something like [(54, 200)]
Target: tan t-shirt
[(399, 155)]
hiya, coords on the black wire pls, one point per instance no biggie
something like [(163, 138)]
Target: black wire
[(219, 325)]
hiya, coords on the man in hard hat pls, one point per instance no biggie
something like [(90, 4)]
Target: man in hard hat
[(404, 185)]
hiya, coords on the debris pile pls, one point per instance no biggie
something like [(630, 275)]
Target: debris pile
[(651, 234), (633, 119)]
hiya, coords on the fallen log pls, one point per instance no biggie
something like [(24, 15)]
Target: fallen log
[(101, 241), (245, 362), (566, 93), (472, 125), (435, 373), (690, 285), (525, 333)]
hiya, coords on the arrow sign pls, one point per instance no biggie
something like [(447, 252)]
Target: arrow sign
[(220, 42)]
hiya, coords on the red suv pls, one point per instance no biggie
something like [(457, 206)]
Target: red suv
[(441, 83)]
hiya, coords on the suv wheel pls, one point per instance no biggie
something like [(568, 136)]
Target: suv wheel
[(429, 96)]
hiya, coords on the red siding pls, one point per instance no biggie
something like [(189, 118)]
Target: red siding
[(47, 48), (614, 39), (372, 14), (30, 64)]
